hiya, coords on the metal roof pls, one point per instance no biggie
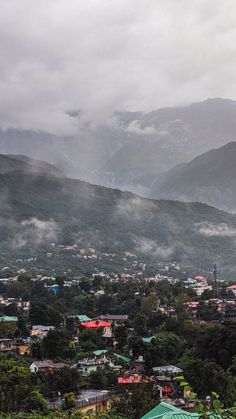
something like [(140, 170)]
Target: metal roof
[(166, 411)]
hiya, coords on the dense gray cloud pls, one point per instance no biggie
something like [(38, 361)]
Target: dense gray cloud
[(57, 56)]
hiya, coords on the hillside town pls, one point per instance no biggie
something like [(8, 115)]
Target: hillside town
[(74, 353)]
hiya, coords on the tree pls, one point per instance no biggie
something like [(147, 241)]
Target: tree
[(36, 349), (206, 376), (41, 313), (55, 344), (69, 401), (14, 385), (22, 327), (213, 408), (37, 403), (121, 334), (98, 380), (166, 347), (136, 401)]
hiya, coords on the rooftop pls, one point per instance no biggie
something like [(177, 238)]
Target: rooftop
[(95, 324), (8, 319), (166, 411)]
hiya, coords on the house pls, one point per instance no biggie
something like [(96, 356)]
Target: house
[(8, 319), (40, 330), (97, 324), (232, 288), (167, 370), (88, 401), (165, 376), (46, 366), (6, 345), (93, 401), (148, 339), (18, 345), (164, 410), (88, 365), (114, 318)]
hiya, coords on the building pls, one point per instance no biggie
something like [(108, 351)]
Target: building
[(19, 345), (164, 410), (6, 345), (88, 401), (232, 288), (97, 324), (46, 366), (40, 330), (88, 365), (116, 318), (8, 319)]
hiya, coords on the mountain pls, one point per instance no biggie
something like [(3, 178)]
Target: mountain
[(130, 150), (23, 164), (39, 212), (209, 178), (161, 139)]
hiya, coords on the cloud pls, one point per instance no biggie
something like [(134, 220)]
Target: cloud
[(135, 208), (101, 56), (149, 247), (135, 128), (211, 229), (35, 232)]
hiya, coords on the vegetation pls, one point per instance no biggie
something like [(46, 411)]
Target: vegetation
[(78, 213)]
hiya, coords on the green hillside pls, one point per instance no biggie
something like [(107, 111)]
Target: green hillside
[(38, 210)]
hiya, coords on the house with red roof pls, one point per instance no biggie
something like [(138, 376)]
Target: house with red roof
[(232, 288), (97, 324)]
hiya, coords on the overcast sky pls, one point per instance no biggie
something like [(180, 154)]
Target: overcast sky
[(106, 55)]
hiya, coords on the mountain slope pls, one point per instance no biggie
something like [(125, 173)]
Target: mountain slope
[(161, 139), (209, 178), (13, 163), (36, 211), (133, 148)]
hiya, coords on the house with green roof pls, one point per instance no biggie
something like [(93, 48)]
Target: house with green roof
[(148, 339), (80, 317), (167, 411), (8, 319)]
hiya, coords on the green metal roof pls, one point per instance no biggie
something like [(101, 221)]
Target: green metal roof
[(8, 319), (80, 317), (148, 339), (166, 411), (122, 358), (99, 352)]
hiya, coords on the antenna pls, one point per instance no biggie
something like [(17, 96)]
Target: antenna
[(215, 286)]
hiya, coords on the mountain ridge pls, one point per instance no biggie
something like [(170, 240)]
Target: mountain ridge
[(134, 148), (38, 210), (209, 178)]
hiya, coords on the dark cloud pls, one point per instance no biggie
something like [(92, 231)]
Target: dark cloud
[(100, 56)]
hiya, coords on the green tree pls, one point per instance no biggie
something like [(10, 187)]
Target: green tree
[(98, 380), (55, 344), (69, 400), (206, 376), (121, 334), (136, 401), (37, 403), (14, 385)]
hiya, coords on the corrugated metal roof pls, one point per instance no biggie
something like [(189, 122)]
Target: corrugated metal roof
[(99, 352), (8, 319), (122, 358), (166, 411)]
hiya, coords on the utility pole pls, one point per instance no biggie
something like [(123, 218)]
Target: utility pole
[(215, 286)]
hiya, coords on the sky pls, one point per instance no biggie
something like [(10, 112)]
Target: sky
[(58, 57)]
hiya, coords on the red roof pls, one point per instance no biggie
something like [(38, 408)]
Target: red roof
[(95, 324), (200, 278), (232, 287)]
